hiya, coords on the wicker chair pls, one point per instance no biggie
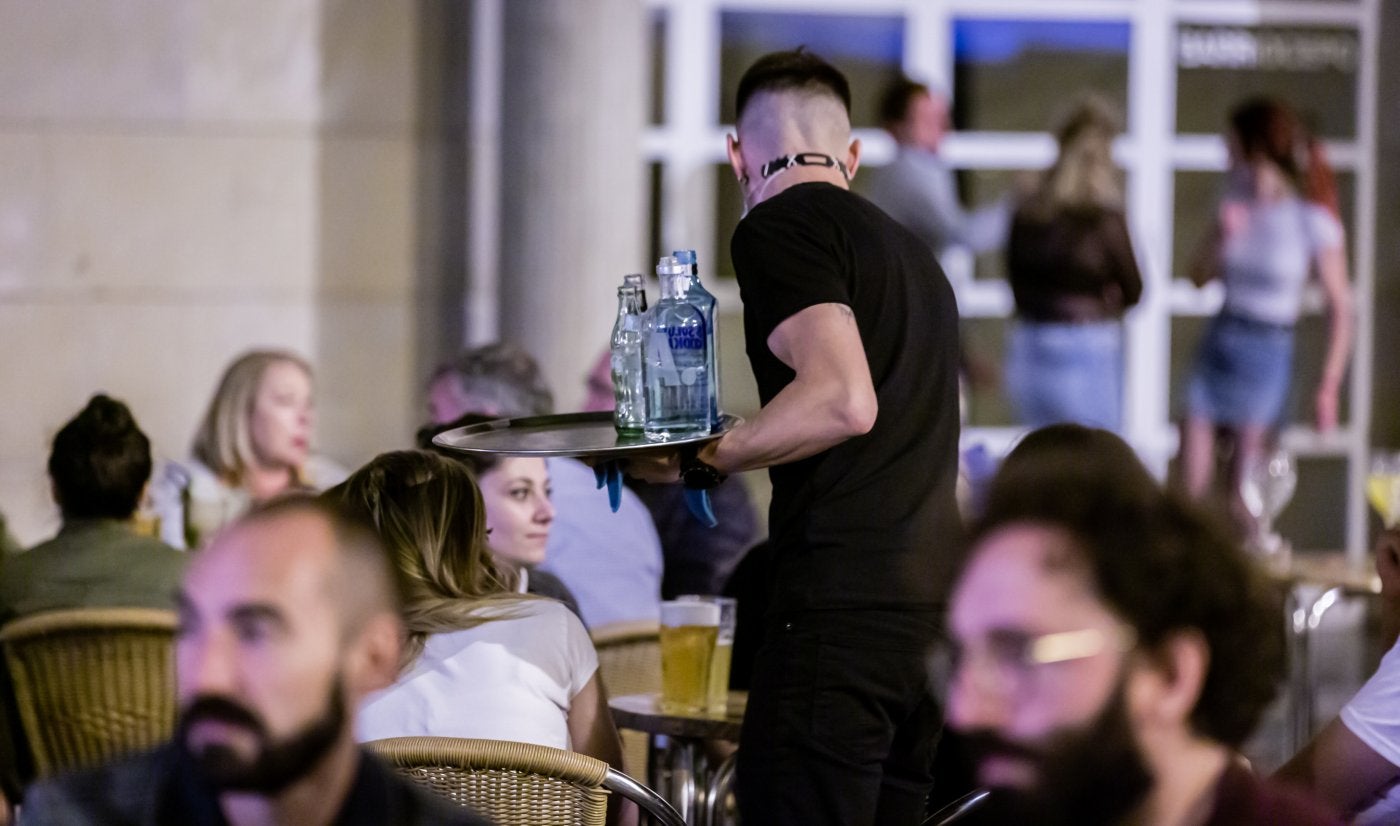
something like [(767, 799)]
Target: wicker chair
[(519, 784), (629, 660), (92, 683)]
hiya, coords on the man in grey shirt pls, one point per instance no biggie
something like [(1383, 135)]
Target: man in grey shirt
[(917, 189)]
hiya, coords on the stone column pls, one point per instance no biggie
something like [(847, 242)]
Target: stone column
[(572, 196)]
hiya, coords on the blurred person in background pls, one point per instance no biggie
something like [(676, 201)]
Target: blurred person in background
[(254, 443), (287, 620), (1277, 224), (1110, 647), (611, 562), (98, 469), (482, 660), (698, 559), (516, 492), (918, 188), (1070, 263)]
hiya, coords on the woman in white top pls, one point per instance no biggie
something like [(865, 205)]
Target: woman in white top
[(484, 660), (253, 443), (1277, 226)]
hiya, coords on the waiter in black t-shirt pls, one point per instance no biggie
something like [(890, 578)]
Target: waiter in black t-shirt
[(852, 334)]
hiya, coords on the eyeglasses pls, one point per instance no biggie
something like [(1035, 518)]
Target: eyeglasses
[(1008, 663)]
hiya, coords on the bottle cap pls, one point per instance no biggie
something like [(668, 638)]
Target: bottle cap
[(670, 266)]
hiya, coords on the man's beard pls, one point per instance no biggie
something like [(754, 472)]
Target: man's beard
[(1090, 774), (278, 763)]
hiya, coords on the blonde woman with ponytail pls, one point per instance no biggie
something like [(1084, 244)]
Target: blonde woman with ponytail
[(1072, 271), (484, 660)]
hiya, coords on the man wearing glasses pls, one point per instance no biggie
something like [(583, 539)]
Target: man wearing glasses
[(1109, 651)]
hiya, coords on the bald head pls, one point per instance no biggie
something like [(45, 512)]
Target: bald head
[(786, 121), (301, 537)]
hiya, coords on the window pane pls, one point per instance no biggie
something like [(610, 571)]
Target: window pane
[(1314, 69), (868, 49), (1018, 75), (983, 354), (729, 207)]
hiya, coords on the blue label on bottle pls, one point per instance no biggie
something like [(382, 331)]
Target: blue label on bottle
[(686, 338)]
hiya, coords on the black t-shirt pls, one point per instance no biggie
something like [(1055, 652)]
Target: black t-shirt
[(871, 522)]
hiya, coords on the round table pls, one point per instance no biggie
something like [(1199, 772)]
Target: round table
[(678, 765)]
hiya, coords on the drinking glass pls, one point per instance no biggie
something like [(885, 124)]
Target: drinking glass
[(1383, 486), (688, 634), (1267, 487), (724, 649)]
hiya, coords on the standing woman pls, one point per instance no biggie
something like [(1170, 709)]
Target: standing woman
[(253, 443), (1276, 224), (1073, 274)]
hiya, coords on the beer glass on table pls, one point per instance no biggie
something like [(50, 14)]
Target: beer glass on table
[(689, 630), (724, 649)]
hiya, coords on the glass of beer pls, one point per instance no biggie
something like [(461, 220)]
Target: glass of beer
[(688, 634), (718, 694)]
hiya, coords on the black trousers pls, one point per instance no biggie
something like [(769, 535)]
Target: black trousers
[(841, 727)]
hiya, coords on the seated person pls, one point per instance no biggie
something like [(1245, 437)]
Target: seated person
[(516, 492), (1354, 762), (253, 443), (1110, 648), (483, 660), (287, 619), (611, 562), (98, 468)]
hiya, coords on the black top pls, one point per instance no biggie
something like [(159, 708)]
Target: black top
[(1072, 265), (871, 522), (162, 788)]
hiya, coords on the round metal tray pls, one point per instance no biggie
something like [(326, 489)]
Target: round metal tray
[(568, 434)]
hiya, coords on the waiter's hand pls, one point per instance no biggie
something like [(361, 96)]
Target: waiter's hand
[(661, 467)]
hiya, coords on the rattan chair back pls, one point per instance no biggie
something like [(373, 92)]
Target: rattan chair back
[(519, 784), (629, 660), (92, 683), (509, 783)]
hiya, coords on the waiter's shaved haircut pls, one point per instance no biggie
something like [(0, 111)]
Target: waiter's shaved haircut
[(796, 71)]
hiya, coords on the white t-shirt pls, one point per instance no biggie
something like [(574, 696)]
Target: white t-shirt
[(508, 679), (1373, 715)]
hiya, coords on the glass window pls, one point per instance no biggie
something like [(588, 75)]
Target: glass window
[(868, 49), (1017, 75), (729, 208), (983, 354), (1314, 69)]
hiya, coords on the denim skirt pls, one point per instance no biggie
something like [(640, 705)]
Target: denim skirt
[(1066, 372), (1242, 373)]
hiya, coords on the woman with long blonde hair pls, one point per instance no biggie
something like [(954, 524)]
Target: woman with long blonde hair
[(253, 443), (1073, 274), (484, 660)]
